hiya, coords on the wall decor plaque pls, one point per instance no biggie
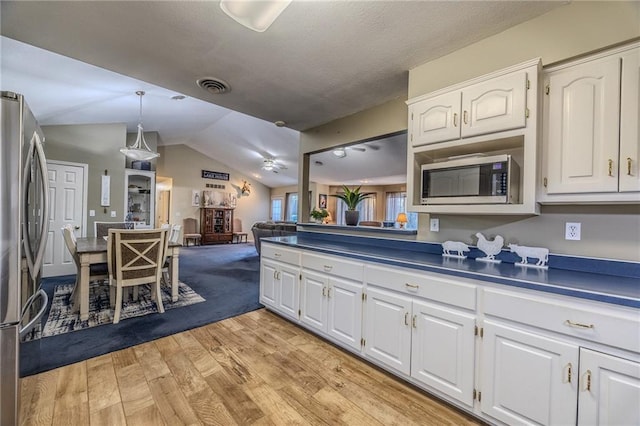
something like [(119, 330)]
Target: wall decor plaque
[(208, 174)]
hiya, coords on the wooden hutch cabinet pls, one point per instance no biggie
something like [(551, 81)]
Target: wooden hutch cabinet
[(216, 225)]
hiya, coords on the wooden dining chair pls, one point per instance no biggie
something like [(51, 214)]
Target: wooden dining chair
[(174, 238), (191, 231), (134, 258), (101, 229), (96, 272), (238, 234)]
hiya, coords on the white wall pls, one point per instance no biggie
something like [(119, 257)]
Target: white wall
[(184, 165)]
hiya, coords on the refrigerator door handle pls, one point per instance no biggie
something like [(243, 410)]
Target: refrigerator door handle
[(26, 178), (36, 319), (34, 264), (44, 230)]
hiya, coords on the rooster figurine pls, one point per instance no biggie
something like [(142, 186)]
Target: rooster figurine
[(490, 248)]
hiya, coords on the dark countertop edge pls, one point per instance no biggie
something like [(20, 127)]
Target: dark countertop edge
[(531, 285), (322, 227)]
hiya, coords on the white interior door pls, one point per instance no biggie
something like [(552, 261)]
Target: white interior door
[(67, 190)]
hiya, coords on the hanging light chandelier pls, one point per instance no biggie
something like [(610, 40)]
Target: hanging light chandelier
[(139, 150)]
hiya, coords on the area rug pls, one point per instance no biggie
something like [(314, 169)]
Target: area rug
[(63, 320), (226, 276)]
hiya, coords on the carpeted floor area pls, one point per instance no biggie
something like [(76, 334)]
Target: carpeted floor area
[(227, 276)]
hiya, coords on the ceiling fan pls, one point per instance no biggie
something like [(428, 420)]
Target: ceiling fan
[(271, 165), (341, 152)]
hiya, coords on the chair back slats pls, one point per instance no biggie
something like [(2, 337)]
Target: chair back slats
[(70, 242), (101, 229), (136, 256)]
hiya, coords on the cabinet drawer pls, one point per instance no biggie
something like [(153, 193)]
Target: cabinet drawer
[(334, 266), (453, 291), (610, 326), (280, 254)]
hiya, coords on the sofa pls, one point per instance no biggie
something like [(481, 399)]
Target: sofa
[(271, 229)]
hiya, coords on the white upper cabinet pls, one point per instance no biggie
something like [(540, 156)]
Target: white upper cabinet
[(490, 106), (630, 122), (590, 136), (436, 119), (496, 105)]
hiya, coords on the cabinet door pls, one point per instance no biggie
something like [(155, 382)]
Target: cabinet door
[(388, 330), (609, 390), (495, 105), (313, 300), (268, 288), (528, 378), (443, 350), (289, 292), (581, 128), (630, 123), (436, 119), (344, 320)]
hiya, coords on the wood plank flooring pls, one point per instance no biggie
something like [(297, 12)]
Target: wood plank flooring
[(254, 369)]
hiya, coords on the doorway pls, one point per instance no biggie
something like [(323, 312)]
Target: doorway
[(68, 190), (163, 202)]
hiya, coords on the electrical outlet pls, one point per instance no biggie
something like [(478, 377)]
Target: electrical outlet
[(434, 225), (572, 231)]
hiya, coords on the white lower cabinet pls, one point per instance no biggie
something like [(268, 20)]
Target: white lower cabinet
[(506, 355), (609, 391), (431, 343), (332, 306), (388, 329), (527, 378), (443, 349), (280, 280)]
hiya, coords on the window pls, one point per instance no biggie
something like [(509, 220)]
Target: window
[(367, 209), (397, 203), (276, 208), (292, 207)]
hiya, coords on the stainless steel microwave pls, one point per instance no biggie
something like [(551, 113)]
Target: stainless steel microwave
[(471, 180)]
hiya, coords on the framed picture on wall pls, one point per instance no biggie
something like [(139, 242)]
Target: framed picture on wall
[(322, 201), (195, 198)]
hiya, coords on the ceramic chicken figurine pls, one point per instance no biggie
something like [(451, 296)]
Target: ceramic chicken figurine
[(489, 248)]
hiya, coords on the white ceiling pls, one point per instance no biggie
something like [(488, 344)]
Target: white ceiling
[(319, 61)]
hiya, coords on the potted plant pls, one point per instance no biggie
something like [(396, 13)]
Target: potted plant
[(319, 215), (352, 198)]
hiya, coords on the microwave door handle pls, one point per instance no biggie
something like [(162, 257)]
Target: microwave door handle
[(26, 178), (44, 225), (45, 301)]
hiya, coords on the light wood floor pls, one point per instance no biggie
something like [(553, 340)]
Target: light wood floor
[(254, 369)]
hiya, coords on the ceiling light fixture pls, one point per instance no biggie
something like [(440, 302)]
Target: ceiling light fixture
[(255, 15), (268, 165), (280, 123), (139, 150), (339, 152)]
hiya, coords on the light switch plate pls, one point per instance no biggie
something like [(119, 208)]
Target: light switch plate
[(113, 213), (434, 225), (92, 213)]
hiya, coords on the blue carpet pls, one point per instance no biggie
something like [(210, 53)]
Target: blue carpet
[(227, 276)]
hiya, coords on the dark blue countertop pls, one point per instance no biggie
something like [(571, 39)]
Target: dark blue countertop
[(622, 289)]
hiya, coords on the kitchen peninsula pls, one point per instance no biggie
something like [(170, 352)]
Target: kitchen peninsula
[(471, 333)]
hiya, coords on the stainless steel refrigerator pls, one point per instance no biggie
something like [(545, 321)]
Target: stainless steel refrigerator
[(24, 224)]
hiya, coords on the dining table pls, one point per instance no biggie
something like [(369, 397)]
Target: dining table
[(93, 251)]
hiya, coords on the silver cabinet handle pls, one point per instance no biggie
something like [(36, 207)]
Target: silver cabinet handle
[(464, 117), (578, 325), (277, 254), (328, 268), (406, 318), (569, 368), (628, 166), (610, 167), (455, 119), (414, 286)]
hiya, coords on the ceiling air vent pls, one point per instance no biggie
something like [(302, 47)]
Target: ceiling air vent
[(214, 85)]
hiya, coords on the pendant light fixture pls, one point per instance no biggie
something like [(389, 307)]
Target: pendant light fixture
[(139, 150)]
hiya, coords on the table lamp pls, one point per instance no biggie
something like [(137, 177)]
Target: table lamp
[(402, 219)]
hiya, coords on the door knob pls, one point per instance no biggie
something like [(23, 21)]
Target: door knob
[(76, 227)]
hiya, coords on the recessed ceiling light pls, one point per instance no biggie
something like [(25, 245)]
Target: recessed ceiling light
[(280, 123), (339, 152), (178, 97)]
